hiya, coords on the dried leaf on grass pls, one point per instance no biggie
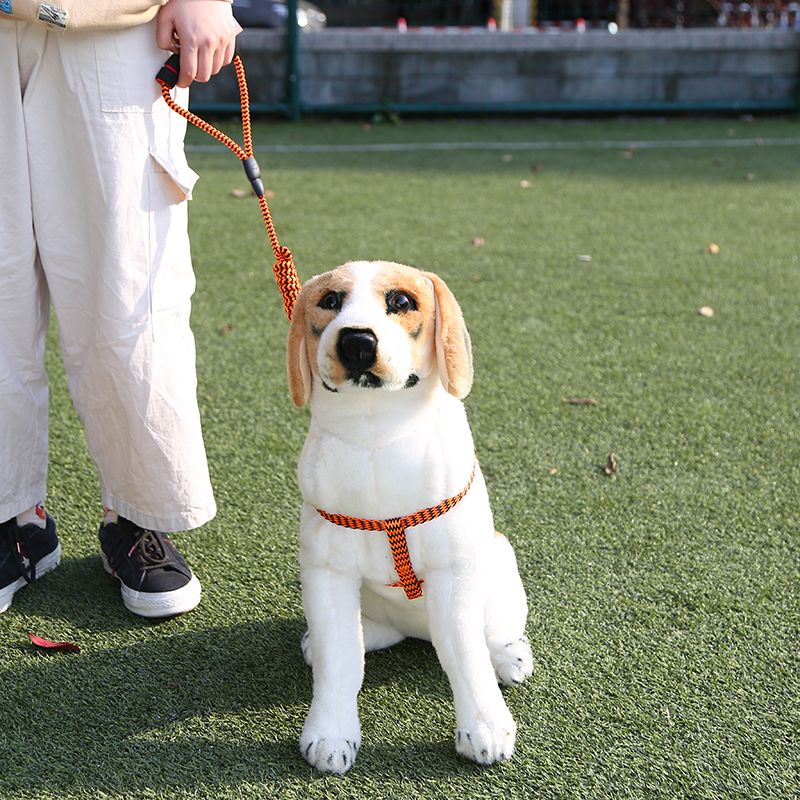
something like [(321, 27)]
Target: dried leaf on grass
[(610, 468), (477, 241), (580, 401)]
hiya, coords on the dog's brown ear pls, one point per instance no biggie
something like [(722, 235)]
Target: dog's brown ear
[(453, 347), (297, 367)]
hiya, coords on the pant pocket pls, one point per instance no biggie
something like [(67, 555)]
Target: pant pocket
[(127, 62), (177, 170), (172, 280)]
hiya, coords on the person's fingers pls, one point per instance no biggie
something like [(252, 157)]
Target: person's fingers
[(165, 32), (188, 66), (205, 33), (205, 62), (218, 61), (230, 51)]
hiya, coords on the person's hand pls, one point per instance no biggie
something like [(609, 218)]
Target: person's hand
[(205, 33)]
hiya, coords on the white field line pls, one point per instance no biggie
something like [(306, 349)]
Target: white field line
[(411, 147)]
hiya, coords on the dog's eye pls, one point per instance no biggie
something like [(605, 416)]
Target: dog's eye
[(331, 301), (400, 303)]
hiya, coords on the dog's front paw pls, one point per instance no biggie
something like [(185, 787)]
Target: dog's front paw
[(486, 744), (513, 661), (329, 753)]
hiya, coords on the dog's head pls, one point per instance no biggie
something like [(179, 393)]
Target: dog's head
[(371, 325)]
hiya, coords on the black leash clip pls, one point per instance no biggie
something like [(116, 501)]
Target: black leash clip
[(168, 74)]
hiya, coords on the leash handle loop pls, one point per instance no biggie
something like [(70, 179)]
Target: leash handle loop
[(284, 269), (169, 72)]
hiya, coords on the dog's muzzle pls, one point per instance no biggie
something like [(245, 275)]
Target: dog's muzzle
[(357, 350)]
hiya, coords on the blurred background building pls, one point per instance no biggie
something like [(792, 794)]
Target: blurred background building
[(511, 14), (640, 13), (515, 56)]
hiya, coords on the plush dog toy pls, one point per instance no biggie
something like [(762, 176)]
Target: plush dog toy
[(396, 532)]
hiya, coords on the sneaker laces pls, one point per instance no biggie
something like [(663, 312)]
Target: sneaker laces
[(152, 548)]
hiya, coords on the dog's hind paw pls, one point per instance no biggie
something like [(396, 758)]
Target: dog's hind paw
[(329, 754), (512, 661), (486, 745)]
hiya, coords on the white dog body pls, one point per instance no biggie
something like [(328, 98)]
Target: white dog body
[(389, 436)]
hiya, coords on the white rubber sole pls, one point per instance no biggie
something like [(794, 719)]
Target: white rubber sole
[(158, 604), (43, 566)]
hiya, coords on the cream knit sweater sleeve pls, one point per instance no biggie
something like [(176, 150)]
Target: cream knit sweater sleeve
[(68, 15)]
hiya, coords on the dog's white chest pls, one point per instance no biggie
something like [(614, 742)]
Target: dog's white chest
[(385, 468), (386, 464)]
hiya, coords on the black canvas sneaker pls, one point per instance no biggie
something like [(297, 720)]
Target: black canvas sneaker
[(156, 581), (26, 553)]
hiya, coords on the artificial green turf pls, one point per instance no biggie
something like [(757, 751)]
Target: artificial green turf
[(664, 604)]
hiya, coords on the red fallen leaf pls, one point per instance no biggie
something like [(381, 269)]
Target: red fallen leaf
[(53, 647)]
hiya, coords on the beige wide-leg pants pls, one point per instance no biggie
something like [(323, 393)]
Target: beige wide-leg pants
[(93, 191)]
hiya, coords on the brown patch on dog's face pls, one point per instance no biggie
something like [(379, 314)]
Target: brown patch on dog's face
[(326, 296), (409, 301)]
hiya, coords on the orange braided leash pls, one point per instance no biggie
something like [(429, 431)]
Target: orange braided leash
[(283, 268), (395, 529)]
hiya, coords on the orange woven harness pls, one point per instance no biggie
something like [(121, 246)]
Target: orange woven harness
[(284, 269), (395, 529)]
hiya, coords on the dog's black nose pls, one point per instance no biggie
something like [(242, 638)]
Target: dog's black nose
[(357, 349)]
